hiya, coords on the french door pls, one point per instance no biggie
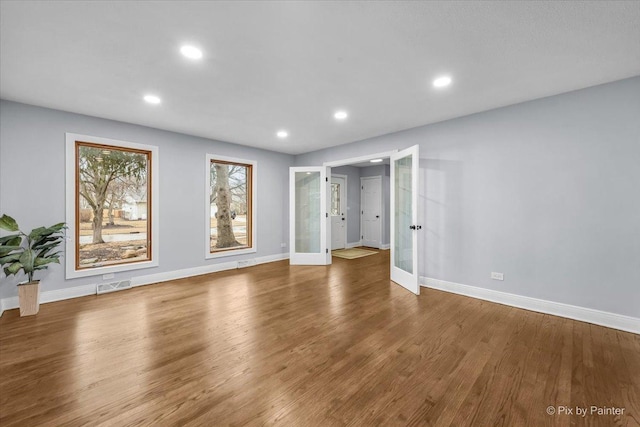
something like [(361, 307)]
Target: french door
[(309, 235), (404, 218)]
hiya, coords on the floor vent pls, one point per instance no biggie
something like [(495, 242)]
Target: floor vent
[(246, 263), (105, 288)]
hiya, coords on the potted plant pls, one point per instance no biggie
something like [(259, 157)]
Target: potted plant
[(29, 253)]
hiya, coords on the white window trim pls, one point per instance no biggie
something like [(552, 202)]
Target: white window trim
[(254, 208), (70, 183)]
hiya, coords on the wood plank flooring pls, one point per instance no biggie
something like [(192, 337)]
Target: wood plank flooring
[(308, 346)]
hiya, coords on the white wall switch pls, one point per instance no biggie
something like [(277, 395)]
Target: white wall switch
[(283, 245), (497, 276)]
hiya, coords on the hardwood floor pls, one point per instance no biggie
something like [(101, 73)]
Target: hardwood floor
[(308, 346)]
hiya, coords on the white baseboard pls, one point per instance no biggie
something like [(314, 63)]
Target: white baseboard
[(385, 247), (198, 271), (53, 296), (10, 302), (181, 274), (272, 258), (90, 289), (597, 317)]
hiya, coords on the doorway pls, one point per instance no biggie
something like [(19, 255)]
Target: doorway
[(310, 219)]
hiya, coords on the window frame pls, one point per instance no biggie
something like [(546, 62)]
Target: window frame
[(253, 204), (72, 199)]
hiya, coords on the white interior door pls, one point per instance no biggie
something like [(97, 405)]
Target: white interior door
[(308, 231), (404, 217), (371, 211), (338, 210)]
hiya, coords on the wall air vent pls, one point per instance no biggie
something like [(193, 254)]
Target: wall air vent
[(246, 263), (105, 288)]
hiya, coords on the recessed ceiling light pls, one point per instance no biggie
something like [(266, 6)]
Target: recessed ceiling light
[(152, 99), (340, 115), (442, 81), (282, 134), (375, 160), (191, 52)]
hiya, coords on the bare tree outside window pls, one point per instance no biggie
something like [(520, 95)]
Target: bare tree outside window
[(230, 206), (113, 206)]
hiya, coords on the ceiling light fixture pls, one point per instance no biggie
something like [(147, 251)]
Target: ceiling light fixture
[(375, 160), (282, 134), (442, 81), (191, 52), (152, 99), (340, 115)]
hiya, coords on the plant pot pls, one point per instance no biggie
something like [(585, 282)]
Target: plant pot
[(29, 296)]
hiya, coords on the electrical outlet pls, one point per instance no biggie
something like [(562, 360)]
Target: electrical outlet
[(497, 276), (283, 245)]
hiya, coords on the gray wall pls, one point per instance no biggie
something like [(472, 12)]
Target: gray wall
[(377, 170), (353, 200), (32, 185), (546, 192), (383, 171)]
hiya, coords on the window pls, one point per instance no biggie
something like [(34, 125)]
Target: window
[(230, 202), (335, 199), (110, 205)]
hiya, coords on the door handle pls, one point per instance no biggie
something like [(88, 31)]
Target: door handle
[(415, 227), (377, 216), (343, 219)]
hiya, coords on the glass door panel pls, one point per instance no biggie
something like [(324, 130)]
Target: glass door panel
[(403, 254), (307, 232)]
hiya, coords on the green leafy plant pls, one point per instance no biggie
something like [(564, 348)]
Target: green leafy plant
[(29, 252)]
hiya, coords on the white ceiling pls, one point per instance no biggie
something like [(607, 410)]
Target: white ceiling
[(290, 65)]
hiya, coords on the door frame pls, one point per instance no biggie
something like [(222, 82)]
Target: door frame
[(346, 206), (360, 159), (380, 205)]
